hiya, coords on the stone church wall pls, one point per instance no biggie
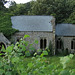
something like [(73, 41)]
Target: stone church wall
[(67, 43), (34, 36)]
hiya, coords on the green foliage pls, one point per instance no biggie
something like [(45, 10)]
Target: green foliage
[(71, 18), (55, 8), (5, 24), (20, 9), (65, 60), (26, 36), (13, 63), (2, 4)]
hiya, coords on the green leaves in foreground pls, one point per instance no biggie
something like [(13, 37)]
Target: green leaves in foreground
[(65, 60), (26, 36), (44, 53), (9, 49), (30, 65), (15, 63), (15, 60), (65, 72)]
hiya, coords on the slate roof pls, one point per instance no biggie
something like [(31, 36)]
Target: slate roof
[(32, 23), (65, 30)]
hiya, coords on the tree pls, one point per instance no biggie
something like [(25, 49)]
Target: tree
[(2, 2), (71, 18), (61, 9)]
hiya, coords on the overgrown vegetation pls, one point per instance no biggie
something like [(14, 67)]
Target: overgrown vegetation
[(5, 24), (5, 21), (14, 62), (62, 10)]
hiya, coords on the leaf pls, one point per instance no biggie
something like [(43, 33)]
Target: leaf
[(45, 53), (35, 54), (36, 41), (42, 55), (7, 67), (1, 71), (71, 56), (27, 53), (26, 36), (9, 49), (1, 64), (16, 47), (23, 47), (64, 72), (26, 43), (3, 49), (30, 65), (17, 43), (8, 73), (1, 54), (31, 48), (15, 59)]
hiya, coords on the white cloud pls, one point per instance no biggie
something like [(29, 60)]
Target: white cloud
[(17, 1), (21, 1)]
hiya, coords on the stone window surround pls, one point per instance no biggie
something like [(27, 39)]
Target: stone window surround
[(43, 38), (73, 44)]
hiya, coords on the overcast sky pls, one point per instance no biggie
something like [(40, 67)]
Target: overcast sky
[(17, 1)]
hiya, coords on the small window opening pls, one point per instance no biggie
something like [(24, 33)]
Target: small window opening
[(73, 44), (43, 43), (59, 42)]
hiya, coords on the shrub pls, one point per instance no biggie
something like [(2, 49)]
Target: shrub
[(13, 62)]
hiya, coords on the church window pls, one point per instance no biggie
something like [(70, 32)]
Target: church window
[(43, 43), (59, 42), (73, 44)]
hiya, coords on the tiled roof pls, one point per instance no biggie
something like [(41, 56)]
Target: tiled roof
[(32, 23), (65, 30)]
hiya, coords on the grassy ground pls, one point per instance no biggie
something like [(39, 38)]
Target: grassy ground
[(56, 61)]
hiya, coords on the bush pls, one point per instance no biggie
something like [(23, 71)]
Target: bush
[(13, 62)]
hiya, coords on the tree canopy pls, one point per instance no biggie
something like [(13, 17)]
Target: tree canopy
[(62, 10), (2, 4)]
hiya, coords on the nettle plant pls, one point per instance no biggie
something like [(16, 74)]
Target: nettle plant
[(12, 61)]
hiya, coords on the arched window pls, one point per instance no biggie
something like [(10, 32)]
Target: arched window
[(43, 43), (59, 43), (73, 44), (18, 40), (2, 45)]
